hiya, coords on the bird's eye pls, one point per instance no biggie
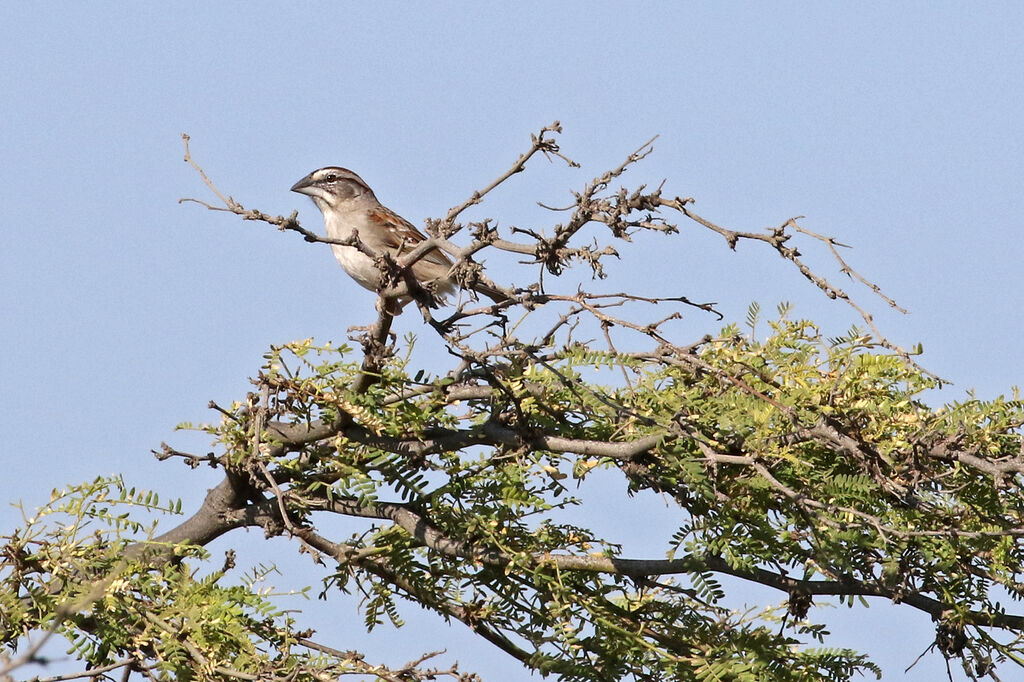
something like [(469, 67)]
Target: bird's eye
[(331, 178)]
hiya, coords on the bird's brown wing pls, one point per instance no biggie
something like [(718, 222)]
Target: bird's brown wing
[(401, 237)]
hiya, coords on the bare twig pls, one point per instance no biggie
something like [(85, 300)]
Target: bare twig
[(540, 143)]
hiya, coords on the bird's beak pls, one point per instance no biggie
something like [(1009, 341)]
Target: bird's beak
[(304, 186)]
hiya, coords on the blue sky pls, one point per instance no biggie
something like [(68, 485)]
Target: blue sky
[(895, 128)]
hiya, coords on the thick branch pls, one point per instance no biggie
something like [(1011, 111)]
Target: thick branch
[(431, 537)]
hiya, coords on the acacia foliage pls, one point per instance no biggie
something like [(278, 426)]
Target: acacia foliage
[(810, 465)]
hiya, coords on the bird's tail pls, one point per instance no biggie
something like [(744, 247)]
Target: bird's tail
[(492, 292)]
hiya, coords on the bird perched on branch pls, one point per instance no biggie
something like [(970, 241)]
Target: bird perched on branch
[(350, 206)]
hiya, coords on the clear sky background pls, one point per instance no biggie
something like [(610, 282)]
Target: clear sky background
[(896, 128)]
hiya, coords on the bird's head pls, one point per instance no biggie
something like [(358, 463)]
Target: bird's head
[(332, 187)]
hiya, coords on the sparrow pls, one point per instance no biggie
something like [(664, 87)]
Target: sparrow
[(349, 205)]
